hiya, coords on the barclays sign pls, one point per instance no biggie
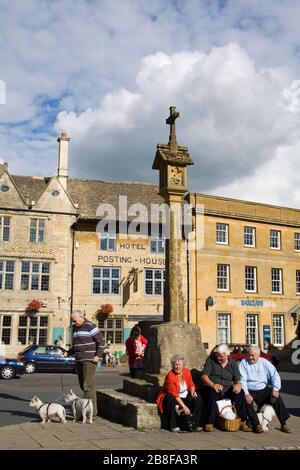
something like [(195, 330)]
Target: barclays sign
[(252, 303)]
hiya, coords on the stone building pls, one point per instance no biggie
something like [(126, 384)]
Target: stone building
[(242, 284)]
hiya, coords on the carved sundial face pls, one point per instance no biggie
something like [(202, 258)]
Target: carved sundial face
[(176, 176)]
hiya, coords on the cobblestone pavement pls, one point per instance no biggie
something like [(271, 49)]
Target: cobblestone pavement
[(105, 435)]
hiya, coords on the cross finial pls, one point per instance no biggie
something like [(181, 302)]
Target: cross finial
[(171, 121)]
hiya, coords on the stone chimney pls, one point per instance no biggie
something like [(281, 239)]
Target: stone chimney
[(62, 170)]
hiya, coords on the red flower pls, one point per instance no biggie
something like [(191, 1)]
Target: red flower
[(34, 305), (106, 308)]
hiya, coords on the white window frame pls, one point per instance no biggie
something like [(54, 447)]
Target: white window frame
[(252, 234), (37, 230), (224, 327), (277, 280), (222, 277), (109, 332), (109, 239), (4, 328), (31, 274), (274, 237), (157, 245), (111, 279), (5, 274), (159, 281), (36, 328), (297, 281), (252, 327), (254, 279), (3, 226), (278, 327), (220, 231), (297, 242)]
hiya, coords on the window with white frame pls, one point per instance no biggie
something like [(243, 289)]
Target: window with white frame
[(7, 270), (5, 328), (252, 329), (276, 281), (106, 280), (37, 231), (108, 241), (297, 281), (250, 279), (297, 241), (33, 329), (112, 330), (223, 328), (222, 233), (249, 236), (155, 281), (278, 330), (5, 226), (223, 280), (157, 244), (35, 275), (275, 239)]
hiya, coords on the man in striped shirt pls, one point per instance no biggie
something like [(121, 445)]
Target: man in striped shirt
[(88, 346)]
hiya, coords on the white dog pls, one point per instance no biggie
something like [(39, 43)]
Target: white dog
[(80, 407), (265, 415), (48, 411)]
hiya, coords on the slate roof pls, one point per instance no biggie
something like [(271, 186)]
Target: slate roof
[(88, 194)]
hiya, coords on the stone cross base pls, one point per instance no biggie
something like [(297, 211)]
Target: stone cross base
[(167, 339)]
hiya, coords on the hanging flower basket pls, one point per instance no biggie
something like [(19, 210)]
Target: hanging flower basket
[(104, 311), (33, 306)]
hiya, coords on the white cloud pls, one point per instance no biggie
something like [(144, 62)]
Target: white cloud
[(236, 120), (112, 68)]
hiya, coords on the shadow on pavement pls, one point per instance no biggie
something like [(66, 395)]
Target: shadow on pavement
[(12, 397), (294, 411), (31, 416)]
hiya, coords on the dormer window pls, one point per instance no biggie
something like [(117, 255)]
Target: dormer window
[(4, 188), (55, 193)]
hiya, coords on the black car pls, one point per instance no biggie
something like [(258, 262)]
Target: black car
[(48, 358), (9, 368)]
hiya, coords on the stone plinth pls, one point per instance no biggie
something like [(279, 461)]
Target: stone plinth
[(122, 408), (171, 338)]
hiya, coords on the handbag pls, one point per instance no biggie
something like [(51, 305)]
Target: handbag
[(186, 423)]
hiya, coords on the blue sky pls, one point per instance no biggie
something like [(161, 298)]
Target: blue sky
[(106, 72)]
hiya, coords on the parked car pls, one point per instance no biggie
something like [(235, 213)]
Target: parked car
[(9, 368), (38, 358), (240, 351)]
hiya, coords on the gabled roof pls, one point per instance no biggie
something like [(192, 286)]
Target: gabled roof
[(88, 194)]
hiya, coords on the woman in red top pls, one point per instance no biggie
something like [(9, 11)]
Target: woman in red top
[(135, 346), (179, 392)]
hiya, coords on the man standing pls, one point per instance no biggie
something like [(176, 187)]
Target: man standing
[(221, 378), (88, 346), (256, 373)]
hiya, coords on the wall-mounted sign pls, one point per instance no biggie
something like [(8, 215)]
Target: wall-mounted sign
[(267, 336), (148, 260), (21, 250), (252, 303)]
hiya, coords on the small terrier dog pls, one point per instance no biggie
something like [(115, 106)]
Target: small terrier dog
[(48, 411), (80, 407), (265, 415)]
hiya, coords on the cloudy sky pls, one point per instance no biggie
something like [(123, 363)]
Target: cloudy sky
[(106, 72)]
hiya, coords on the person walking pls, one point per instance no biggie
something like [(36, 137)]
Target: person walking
[(88, 346)]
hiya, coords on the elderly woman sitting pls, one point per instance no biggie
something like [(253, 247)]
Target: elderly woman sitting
[(179, 392)]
